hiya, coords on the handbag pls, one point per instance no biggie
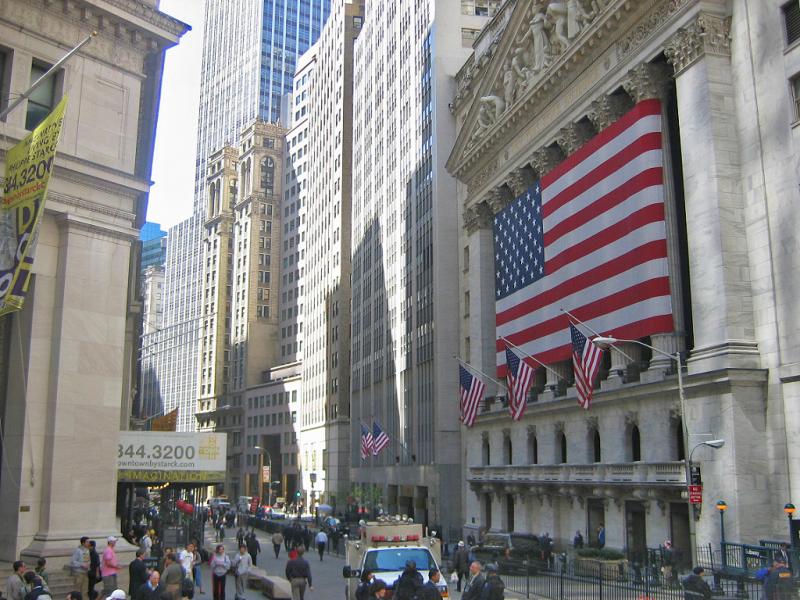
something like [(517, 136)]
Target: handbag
[(453, 577)]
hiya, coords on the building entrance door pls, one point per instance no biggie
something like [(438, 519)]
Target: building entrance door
[(595, 518), (636, 526), (679, 532)]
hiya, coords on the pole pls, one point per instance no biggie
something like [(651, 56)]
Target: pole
[(24, 96), (269, 483), (722, 538), (538, 362), (261, 476), (479, 372)]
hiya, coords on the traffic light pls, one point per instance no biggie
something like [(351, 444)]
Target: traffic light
[(298, 493)]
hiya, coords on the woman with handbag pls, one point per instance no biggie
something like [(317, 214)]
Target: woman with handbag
[(220, 565)]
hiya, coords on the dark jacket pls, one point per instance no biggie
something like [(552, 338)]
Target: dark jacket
[(695, 588), (253, 547), (145, 593), (362, 591), (298, 567), (36, 592), (429, 591), (778, 585), (461, 560), (137, 571), (474, 588), (493, 588), (406, 586)]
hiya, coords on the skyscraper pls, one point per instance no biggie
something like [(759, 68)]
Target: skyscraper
[(249, 56)]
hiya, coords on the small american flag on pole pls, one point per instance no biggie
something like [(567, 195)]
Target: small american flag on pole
[(520, 378), (586, 358), (472, 389), (379, 439), (366, 442), (588, 237)]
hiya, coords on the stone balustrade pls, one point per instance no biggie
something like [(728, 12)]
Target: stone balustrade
[(639, 473)]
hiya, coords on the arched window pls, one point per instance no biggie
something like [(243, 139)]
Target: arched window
[(562, 447), (636, 444), (507, 455), (247, 185), (533, 450), (212, 200), (268, 175), (485, 452), (596, 444), (679, 452)]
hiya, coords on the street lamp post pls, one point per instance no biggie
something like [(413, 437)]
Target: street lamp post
[(789, 509), (607, 341), (262, 452)]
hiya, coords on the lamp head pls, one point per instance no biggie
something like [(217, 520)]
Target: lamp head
[(722, 506), (717, 444), (789, 509), (604, 342)]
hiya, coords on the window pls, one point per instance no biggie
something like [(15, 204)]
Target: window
[(533, 450), (5, 76), (596, 444), (507, 451), (468, 36), (42, 100), (562, 446), (636, 444), (358, 22), (486, 453), (791, 20), (795, 83)]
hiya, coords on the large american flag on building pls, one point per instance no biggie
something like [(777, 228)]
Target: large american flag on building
[(590, 238)]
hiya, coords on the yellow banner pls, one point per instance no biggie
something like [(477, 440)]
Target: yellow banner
[(28, 168), (148, 476)]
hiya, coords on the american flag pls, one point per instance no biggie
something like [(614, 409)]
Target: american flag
[(586, 358), (366, 442), (589, 237), (520, 378), (472, 389), (379, 439)]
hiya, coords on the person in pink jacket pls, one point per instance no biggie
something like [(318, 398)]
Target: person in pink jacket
[(109, 567)]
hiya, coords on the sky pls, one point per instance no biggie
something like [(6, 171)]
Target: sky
[(176, 133)]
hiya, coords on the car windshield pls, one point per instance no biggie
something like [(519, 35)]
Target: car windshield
[(495, 540), (394, 559)]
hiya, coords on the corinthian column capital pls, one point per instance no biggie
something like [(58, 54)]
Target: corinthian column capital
[(707, 34)]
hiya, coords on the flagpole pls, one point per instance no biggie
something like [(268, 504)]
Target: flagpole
[(571, 316), (466, 364), (538, 362)]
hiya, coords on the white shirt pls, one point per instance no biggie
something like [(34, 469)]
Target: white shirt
[(186, 558), (322, 538)]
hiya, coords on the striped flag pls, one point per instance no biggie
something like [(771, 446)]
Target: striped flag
[(379, 439), (366, 442), (520, 378), (472, 389), (586, 358), (590, 238)]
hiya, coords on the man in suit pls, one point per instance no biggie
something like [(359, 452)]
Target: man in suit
[(474, 586), (429, 591), (138, 574)]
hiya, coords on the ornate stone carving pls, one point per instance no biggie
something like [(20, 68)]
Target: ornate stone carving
[(655, 19), (545, 160), (490, 110), (591, 424), (497, 199), (478, 216), (567, 20), (707, 34), (506, 433), (485, 436), (482, 176), (631, 418), (573, 136), (646, 81), (531, 430), (519, 181), (558, 426), (607, 109)]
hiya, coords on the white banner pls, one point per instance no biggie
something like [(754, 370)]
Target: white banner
[(160, 456)]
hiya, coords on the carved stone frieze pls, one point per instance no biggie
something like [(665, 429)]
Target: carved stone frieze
[(646, 81), (531, 430), (506, 433), (591, 424), (545, 160), (573, 136), (482, 176), (707, 34), (607, 109), (485, 436), (558, 426), (655, 19)]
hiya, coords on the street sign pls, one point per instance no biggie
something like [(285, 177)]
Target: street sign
[(695, 494), (265, 474), (254, 504)]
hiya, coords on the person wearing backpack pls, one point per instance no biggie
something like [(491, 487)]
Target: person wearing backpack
[(36, 585)]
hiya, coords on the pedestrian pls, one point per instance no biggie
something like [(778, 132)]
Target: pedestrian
[(172, 576), (493, 587), (41, 571), (79, 564), (277, 542), (407, 585), (298, 572), (362, 591), (782, 553), (461, 563), (152, 590), (243, 563), (307, 537), (253, 547), (220, 565), (240, 537), (197, 561), (186, 558), (668, 563), (779, 585), (35, 587), (601, 537), (577, 541), (137, 573), (94, 576), (377, 589), (474, 587), (695, 587), (221, 531), (109, 567), (321, 541), (429, 591), (146, 544)]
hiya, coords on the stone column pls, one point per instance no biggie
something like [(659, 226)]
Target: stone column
[(65, 456), (625, 359), (573, 136), (556, 382), (718, 260)]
